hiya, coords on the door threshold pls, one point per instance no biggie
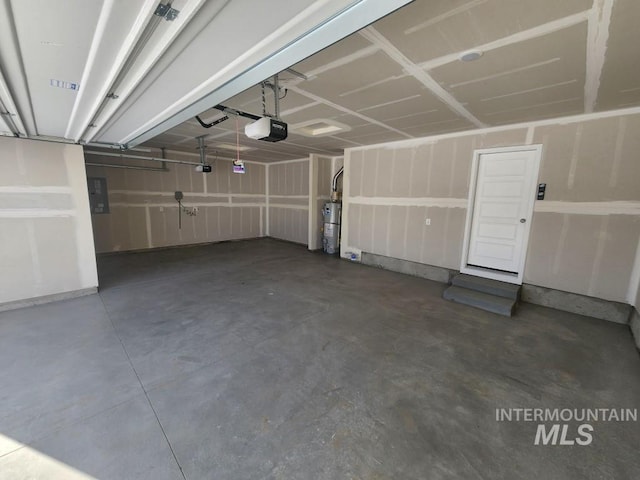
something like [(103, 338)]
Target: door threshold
[(501, 276)]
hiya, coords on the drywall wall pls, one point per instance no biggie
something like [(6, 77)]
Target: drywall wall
[(288, 200), (584, 235), (144, 213), (46, 243)]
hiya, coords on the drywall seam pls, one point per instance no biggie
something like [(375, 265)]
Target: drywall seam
[(35, 256), (617, 153), (195, 194), (535, 32), (290, 196), (597, 36), (33, 189), (411, 202), (529, 90), (414, 142), (375, 84), (290, 207), (530, 132), (266, 199), (419, 74), (293, 110), (362, 53), (443, 16), (36, 213), (312, 219), (634, 280), (346, 203), (392, 102), (187, 204), (546, 206), (505, 72), (340, 108), (280, 162), (573, 166), (588, 208), (147, 219), (597, 259), (561, 244)]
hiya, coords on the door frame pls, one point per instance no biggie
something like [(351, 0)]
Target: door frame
[(489, 273)]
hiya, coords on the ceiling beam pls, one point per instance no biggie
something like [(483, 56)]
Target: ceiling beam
[(422, 76), (597, 36)]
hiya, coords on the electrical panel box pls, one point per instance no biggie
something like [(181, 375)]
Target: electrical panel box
[(98, 195)]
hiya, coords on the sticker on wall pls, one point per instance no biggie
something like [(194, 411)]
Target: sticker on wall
[(238, 166)]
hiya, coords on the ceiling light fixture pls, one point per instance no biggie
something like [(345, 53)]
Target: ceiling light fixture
[(320, 127), (471, 55)]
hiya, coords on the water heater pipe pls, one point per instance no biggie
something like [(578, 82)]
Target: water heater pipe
[(334, 183)]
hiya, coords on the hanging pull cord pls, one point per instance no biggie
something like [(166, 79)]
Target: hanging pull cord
[(237, 141), (264, 101)]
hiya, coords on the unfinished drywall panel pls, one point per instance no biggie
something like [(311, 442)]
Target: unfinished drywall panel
[(288, 200), (145, 214), (289, 224), (475, 23), (591, 161), (620, 82), (46, 241), (321, 171), (585, 254), (408, 200)]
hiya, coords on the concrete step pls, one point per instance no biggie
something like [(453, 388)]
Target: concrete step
[(486, 285), (490, 303)]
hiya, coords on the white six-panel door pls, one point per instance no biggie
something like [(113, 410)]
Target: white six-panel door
[(503, 190)]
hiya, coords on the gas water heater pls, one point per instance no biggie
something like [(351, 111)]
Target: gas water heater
[(331, 213), (331, 231)]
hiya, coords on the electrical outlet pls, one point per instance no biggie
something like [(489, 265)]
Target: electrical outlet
[(427, 222)]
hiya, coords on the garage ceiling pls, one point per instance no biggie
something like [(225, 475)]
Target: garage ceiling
[(119, 71), (401, 77), (111, 71)]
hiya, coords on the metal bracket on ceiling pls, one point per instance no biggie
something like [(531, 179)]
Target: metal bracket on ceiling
[(166, 12)]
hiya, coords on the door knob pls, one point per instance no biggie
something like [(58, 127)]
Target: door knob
[(523, 220)]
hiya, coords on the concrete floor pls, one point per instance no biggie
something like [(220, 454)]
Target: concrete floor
[(259, 360)]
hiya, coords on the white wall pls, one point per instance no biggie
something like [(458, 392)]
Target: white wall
[(46, 241), (584, 235), (144, 212), (288, 200)]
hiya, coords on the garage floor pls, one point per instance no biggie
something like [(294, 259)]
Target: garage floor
[(259, 360)]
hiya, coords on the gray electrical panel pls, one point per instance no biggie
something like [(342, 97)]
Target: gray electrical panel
[(98, 197)]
